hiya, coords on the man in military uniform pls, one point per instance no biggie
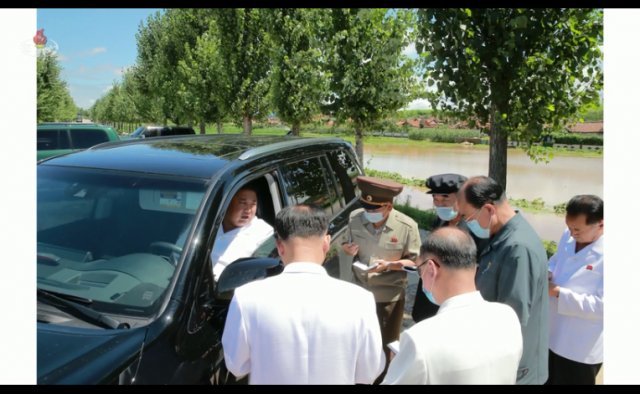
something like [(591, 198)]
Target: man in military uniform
[(443, 188), (385, 240)]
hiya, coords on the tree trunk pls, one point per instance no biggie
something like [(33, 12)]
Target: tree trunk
[(295, 129), (498, 151), (246, 125), (203, 129), (219, 126), (359, 145)]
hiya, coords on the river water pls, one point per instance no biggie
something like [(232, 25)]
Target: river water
[(555, 182)]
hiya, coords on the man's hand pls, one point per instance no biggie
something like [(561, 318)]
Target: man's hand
[(554, 290), (350, 248)]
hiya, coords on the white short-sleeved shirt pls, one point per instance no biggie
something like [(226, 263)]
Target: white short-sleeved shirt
[(469, 341), (237, 243), (303, 327)]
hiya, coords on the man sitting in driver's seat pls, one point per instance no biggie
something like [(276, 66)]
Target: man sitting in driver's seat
[(241, 232)]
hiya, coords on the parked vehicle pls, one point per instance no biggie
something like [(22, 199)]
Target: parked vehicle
[(161, 131), (59, 138), (126, 293)]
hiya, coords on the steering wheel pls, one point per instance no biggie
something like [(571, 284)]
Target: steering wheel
[(165, 249)]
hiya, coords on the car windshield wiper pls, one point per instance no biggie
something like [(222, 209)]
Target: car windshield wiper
[(75, 303)]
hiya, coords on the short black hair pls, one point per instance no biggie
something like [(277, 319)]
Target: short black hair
[(249, 186), (588, 204), (454, 248), (301, 221), (481, 190)]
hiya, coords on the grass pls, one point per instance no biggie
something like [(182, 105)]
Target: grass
[(380, 141)]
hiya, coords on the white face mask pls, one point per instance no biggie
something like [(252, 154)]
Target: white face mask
[(477, 229), (446, 213), (373, 217)]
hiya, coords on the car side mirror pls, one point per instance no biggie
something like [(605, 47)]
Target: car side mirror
[(243, 271)]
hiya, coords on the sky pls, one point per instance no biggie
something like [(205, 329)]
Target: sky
[(18, 208), (94, 46)]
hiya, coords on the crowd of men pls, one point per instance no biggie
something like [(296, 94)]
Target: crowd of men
[(491, 307)]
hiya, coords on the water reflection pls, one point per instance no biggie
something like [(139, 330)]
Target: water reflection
[(555, 182)]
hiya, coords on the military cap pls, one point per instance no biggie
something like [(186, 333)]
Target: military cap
[(376, 191), (445, 183)]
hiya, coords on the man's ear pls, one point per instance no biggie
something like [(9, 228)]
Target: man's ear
[(280, 247), (326, 243)]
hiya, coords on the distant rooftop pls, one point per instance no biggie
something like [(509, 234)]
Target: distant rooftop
[(587, 127)]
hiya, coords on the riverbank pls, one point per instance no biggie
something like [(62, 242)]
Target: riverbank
[(382, 141)]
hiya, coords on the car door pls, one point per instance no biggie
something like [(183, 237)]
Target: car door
[(314, 180)]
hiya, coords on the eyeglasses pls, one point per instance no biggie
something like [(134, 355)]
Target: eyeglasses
[(421, 265)]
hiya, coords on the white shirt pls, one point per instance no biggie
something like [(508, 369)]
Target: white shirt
[(303, 327), (576, 315), (237, 243), (469, 341)]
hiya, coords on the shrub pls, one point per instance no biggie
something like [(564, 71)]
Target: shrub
[(425, 219), (577, 139), (446, 135), (550, 247)]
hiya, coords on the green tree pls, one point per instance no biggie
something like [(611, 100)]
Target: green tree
[(246, 49), (525, 71), (54, 103), (204, 86), (299, 81), (370, 76), (162, 44)]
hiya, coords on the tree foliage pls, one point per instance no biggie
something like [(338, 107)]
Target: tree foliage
[(204, 87), (525, 71), (246, 49), (54, 103), (162, 44), (370, 75), (299, 80)]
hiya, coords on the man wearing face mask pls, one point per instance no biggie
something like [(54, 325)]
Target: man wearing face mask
[(443, 188), (469, 340), (385, 240), (512, 268)]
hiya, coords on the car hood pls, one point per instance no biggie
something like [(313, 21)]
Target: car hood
[(72, 355)]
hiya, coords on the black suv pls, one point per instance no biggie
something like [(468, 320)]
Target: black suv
[(161, 131), (126, 293)]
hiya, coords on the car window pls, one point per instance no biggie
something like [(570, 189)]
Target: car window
[(111, 238), (180, 131), (138, 131), (307, 182), (47, 139), (86, 138), (346, 173), (53, 139)]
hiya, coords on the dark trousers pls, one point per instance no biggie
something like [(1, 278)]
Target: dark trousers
[(422, 307), (565, 371), (390, 316)]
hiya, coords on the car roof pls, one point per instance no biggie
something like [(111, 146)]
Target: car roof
[(50, 125), (199, 156)]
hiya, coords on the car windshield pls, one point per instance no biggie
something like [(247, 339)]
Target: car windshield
[(137, 131), (112, 237)]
